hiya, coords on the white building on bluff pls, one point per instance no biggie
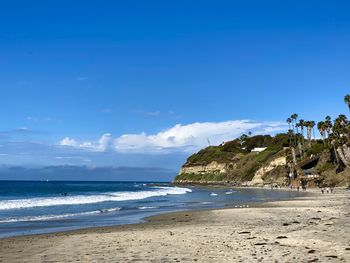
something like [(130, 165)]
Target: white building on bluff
[(258, 149)]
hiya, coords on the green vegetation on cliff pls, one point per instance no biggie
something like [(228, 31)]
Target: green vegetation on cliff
[(241, 162), (228, 151)]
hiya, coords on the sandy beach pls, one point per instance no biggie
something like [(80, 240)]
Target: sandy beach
[(308, 229)]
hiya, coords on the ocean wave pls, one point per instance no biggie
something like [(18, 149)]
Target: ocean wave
[(46, 217), (90, 199), (206, 203), (147, 207), (55, 217), (108, 210)]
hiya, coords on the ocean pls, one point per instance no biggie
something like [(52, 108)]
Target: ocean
[(33, 207)]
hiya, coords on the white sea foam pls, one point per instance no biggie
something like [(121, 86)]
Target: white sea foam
[(206, 203), (91, 199), (147, 207), (46, 217), (56, 217), (108, 210)]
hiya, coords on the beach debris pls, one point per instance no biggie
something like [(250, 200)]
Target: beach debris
[(285, 224), (311, 251), (331, 256), (328, 224), (260, 244), (244, 232), (281, 237)]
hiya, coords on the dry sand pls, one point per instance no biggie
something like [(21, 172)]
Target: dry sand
[(308, 229)]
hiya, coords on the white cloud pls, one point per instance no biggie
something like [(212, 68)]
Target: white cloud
[(193, 136), (187, 138), (101, 145), (68, 142)]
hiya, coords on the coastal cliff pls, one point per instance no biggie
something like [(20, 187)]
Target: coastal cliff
[(260, 174), (264, 160), (246, 161)]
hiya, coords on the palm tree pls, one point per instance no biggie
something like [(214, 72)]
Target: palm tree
[(342, 120), (332, 143), (341, 129), (309, 126), (302, 125), (322, 129), (347, 100), (290, 132), (312, 124), (294, 118), (328, 127), (289, 121)]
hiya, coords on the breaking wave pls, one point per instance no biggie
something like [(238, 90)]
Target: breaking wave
[(55, 217), (90, 199)]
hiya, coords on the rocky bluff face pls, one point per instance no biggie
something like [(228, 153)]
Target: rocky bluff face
[(261, 160)]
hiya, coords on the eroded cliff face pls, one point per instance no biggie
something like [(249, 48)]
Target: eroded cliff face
[(213, 167), (258, 176), (209, 173)]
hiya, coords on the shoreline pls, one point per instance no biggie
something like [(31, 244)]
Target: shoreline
[(271, 230), (146, 218), (154, 218)]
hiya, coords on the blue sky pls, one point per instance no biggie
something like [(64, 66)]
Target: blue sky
[(106, 82)]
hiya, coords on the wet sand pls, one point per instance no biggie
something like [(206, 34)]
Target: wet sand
[(306, 229)]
